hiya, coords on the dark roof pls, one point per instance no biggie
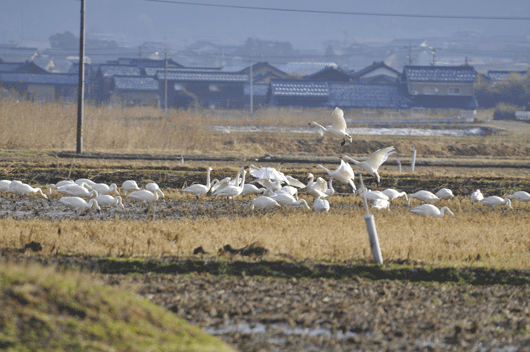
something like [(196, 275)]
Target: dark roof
[(374, 66), (152, 71), (299, 88), (367, 96), (502, 75), (135, 83), (445, 102), (109, 71), (17, 53), (257, 89), (203, 76), (146, 62), (262, 64), (40, 78), (439, 74), (10, 66), (329, 73), (28, 66)]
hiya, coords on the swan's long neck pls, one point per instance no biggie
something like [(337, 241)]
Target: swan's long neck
[(443, 210), (323, 168), (352, 160), (208, 184), (243, 181), (319, 125)]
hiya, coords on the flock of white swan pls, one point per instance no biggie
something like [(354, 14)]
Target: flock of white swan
[(273, 188)]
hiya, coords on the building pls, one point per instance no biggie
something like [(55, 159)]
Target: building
[(42, 87), (299, 93), (377, 73), (135, 91)]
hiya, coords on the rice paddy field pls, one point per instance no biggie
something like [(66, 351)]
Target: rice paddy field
[(174, 150)]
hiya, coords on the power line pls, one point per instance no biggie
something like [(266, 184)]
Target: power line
[(345, 13)]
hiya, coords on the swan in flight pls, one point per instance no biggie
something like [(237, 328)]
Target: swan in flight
[(381, 204), (393, 194), (129, 186), (372, 164), (106, 200), (197, 189), (79, 204), (264, 202), (21, 189), (76, 190), (321, 205), (494, 201), (476, 196), (425, 196), (153, 187), (338, 126), (232, 191), (102, 188), (431, 210), (445, 193), (520, 196), (343, 173)]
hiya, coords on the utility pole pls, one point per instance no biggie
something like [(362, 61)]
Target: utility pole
[(81, 95), (165, 83), (251, 90), (433, 56)]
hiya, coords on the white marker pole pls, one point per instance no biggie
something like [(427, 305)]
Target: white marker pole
[(370, 227), (399, 165), (413, 163)]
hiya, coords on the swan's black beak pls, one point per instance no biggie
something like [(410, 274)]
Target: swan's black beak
[(343, 142)]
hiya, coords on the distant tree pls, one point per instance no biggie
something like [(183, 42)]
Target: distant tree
[(514, 91), (330, 53), (66, 40)]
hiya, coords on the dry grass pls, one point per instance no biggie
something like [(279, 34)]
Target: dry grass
[(474, 237)]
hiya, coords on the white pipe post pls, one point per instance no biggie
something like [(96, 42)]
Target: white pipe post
[(399, 165), (370, 227), (413, 163)]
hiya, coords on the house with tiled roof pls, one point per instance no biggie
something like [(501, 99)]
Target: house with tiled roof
[(329, 74), (28, 67), (441, 86), (208, 88), (377, 73), (135, 91), (369, 96), (260, 94), (299, 93), (17, 53), (49, 87), (502, 75), (104, 80), (263, 72)]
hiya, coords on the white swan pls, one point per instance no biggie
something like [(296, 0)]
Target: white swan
[(393, 194), (21, 189), (264, 202), (520, 196), (338, 126), (372, 195), (425, 196), (103, 188), (343, 173), (313, 188), (493, 201), (445, 193), (59, 184), (106, 200), (374, 161), (4, 185), (129, 186), (431, 210), (273, 185), (381, 204), (287, 199), (321, 205), (476, 196), (266, 173), (324, 187), (153, 187), (79, 203), (249, 189), (77, 191), (232, 191), (143, 195), (79, 181), (197, 189)]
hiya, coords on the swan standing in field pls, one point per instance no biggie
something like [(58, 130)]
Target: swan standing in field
[(338, 126), (80, 181), (393, 194), (313, 188), (21, 189), (321, 205), (153, 187), (425, 196), (249, 189), (371, 196), (106, 200), (431, 210), (129, 186), (197, 189), (372, 164), (264, 202), (232, 191), (381, 204), (77, 191), (79, 204), (476, 196), (520, 196), (102, 188), (59, 184), (144, 196), (494, 201), (286, 199), (343, 173), (445, 193)]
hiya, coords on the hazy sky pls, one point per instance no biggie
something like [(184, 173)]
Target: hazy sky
[(135, 21)]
